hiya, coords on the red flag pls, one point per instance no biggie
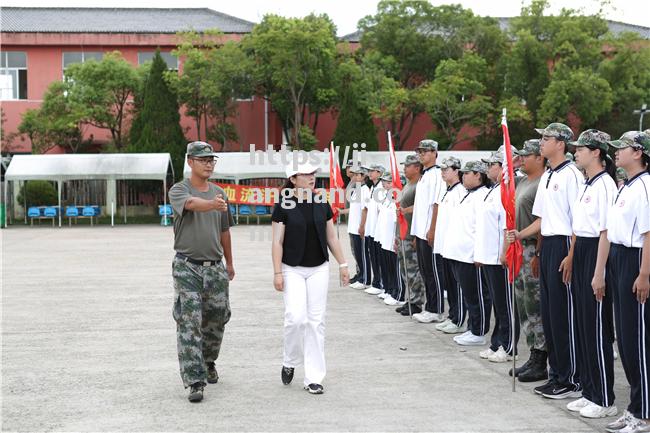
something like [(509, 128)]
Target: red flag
[(514, 253), (336, 183), (397, 186)]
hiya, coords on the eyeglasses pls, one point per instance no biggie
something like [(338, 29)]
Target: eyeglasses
[(206, 161)]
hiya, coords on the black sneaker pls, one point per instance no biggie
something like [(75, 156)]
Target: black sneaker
[(314, 388), (196, 392), (548, 386), (213, 376), (287, 375), (415, 309), (559, 392)]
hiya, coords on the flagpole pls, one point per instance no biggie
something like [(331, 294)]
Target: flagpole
[(512, 322), (406, 279)]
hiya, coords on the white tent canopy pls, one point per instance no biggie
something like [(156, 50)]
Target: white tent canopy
[(248, 165), (105, 166), (151, 166)]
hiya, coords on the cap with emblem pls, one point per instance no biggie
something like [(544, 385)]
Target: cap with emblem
[(592, 138), (386, 176), (377, 167), (411, 159), (428, 145), (557, 130), (530, 147), (634, 139), (451, 162), (200, 149), (476, 166)]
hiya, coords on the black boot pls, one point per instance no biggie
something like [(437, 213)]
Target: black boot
[(525, 366), (537, 370)]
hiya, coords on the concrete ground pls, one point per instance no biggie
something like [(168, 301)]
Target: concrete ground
[(88, 344)]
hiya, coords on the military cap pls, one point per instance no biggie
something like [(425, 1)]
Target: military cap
[(386, 176), (592, 138), (377, 167), (350, 163), (557, 130), (428, 144), (451, 162), (502, 150), (476, 166), (357, 169), (200, 149), (621, 174), (530, 147), (411, 159), (634, 139), (494, 158)]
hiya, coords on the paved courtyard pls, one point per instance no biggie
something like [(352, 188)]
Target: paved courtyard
[(88, 344)]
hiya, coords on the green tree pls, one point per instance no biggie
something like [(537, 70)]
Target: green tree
[(104, 87), (38, 193), (354, 122), (156, 127), (294, 59), (627, 71), (456, 96), (60, 120)]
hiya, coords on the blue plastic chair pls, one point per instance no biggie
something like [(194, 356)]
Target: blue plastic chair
[(165, 212), (33, 212), (51, 212), (89, 212), (261, 210), (233, 209), (71, 212), (245, 210)]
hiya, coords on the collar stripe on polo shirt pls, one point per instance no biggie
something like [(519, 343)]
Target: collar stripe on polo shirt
[(590, 210), (429, 191), (556, 197)]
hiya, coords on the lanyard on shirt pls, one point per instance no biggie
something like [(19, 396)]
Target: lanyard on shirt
[(628, 182), (449, 190), (469, 191), (490, 191)]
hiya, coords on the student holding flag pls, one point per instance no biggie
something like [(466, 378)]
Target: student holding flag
[(368, 225), (628, 231), (595, 327)]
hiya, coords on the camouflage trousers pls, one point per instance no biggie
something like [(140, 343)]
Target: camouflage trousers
[(528, 302), (201, 311), (412, 271)]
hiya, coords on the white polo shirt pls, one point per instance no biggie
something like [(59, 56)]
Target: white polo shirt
[(461, 235), (593, 203), (490, 224), (429, 191), (373, 210), (629, 217), (385, 230), (446, 208), (356, 206), (556, 195)]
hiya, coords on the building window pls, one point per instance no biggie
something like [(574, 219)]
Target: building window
[(71, 57), (169, 58), (13, 75)]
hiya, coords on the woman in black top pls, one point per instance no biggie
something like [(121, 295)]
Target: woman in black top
[(302, 232)]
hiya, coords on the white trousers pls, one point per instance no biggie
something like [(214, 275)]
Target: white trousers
[(305, 299)]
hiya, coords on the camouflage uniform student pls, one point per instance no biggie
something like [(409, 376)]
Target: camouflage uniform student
[(201, 239), (408, 255), (527, 282)]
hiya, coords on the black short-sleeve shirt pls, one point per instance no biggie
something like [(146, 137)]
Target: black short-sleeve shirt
[(313, 253)]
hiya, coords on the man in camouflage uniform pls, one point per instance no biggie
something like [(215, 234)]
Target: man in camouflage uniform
[(201, 240), (408, 258), (527, 291)]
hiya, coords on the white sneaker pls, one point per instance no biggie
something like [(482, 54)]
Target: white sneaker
[(615, 355), (382, 295), (577, 405), (444, 324), (400, 303), (453, 329), (373, 290), (485, 354), (635, 426), (358, 285), (595, 411), (620, 423), (471, 340), (500, 356), (428, 317), (464, 334), (389, 300)]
